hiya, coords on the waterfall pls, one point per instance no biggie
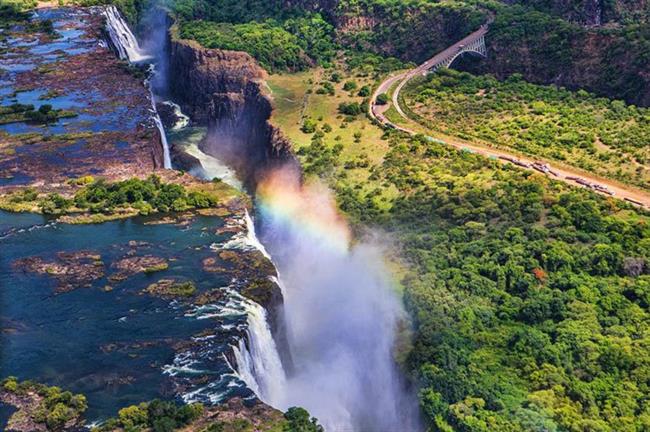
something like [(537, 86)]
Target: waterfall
[(127, 47), (251, 236), (340, 310), (258, 362), (167, 160), (122, 37)]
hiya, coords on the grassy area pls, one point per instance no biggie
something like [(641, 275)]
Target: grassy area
[(300, 98), (606, 137)]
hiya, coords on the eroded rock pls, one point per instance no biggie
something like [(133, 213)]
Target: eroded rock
[(70, 269)]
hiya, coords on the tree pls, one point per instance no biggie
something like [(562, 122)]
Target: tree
[(351, 108), (299, 421), (308, 126), (382, 99)]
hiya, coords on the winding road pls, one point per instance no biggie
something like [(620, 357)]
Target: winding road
[(574, 177)]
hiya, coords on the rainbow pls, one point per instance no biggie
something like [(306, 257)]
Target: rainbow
[(309, 209)]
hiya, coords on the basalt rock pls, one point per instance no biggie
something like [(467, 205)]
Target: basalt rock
[(71, 270), (224, 91)]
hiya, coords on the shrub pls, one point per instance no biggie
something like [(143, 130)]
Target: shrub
[(350, 108), (308, 126), (382, 99), (364, 91)]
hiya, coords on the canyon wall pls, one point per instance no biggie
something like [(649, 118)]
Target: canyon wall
[(612, 62), (224, 90), (592, 44)]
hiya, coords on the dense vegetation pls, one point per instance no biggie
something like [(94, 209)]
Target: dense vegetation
[(146, 195), (98, 196), (599, 135), (609, 61), (157, 416), (529, 298), (585, 12), (14, 11), (51, 407), (293, 45), (281, 39), (411, 30), (27, 113)]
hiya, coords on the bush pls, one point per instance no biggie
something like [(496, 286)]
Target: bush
[(349, 86), (364, 91), (309, 126), (336, 77), (350, 108), (382, 99)]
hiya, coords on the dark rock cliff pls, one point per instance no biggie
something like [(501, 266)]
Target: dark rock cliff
[(224, 91)]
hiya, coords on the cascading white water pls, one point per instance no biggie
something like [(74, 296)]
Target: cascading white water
[(167, 160), (211, 167), (340, 311), (122, 37), (246, 240), (128, 49), (341, 316), (258, 363)]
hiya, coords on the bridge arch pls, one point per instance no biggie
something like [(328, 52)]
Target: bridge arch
[(476, 47)]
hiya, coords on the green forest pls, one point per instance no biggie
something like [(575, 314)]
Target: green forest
[(608, 60), (291, 46), (604, 136), (529, 298)]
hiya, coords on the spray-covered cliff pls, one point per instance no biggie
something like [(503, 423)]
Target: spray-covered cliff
[(224, 91)]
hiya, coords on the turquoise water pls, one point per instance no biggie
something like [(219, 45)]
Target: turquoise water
[(118, 347)]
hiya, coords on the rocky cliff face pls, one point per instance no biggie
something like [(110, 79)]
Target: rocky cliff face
[(405, 31), (592, 12), (597, 45), (224, 91)]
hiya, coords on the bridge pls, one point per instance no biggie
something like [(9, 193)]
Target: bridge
[(475, 43)]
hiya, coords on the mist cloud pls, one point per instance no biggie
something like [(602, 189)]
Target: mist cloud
[(341, 313)]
